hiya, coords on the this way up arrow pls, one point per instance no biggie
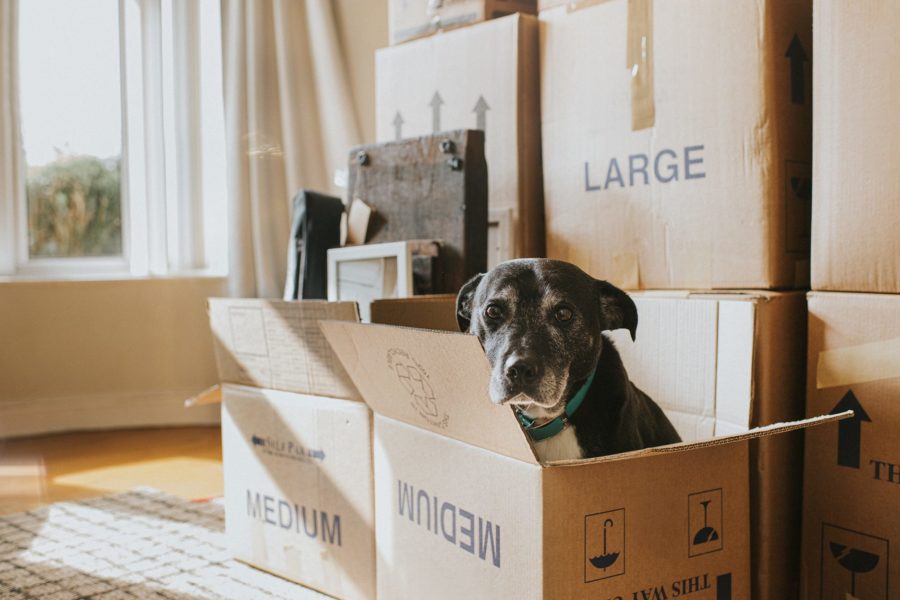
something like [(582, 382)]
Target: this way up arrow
[(398, 126), (435, 105), (797, 56), (849, 430), (480, 110)]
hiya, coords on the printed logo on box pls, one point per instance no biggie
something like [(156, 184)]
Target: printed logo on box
[(414, 379), (604, 545), (854, 564), (705, 527), (289, 449)]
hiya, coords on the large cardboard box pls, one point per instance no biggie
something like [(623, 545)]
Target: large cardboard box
[(856, 209), (464, 509), (482, 77), (720, 364), (409, 19), (676, 141), (297, 459), (851, 496)]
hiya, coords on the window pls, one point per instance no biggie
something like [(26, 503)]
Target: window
[(122, 129)]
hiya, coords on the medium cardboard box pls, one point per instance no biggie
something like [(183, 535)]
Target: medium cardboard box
[(724, 363), (298, 487), (464, 509), (851, 494), (409, 19), (676, 141), (856, 213), (297, 456), (446, 82)]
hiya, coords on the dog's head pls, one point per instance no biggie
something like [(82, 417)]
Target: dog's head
[(540, 322)]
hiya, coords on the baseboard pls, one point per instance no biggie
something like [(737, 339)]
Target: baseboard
[(102, 411)]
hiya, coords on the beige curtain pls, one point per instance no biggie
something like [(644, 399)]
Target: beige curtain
[(10, 141), (289, 122)]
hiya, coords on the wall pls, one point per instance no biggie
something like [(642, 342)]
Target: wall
[(96, 354)]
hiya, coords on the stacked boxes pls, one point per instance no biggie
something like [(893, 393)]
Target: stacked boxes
[(851, 533), (296, 445), (480, 77), (676, 149)]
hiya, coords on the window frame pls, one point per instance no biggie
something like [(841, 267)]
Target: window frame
[(164, 227)]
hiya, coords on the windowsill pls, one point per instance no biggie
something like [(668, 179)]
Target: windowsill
[(113, 276)]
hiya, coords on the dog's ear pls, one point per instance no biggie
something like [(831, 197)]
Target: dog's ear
[(617, 309), (464, 302)]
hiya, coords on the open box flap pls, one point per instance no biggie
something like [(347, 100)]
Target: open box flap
[(277, 344), (758, 432), (433, 380)]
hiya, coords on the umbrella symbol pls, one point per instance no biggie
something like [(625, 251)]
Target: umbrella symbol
[(605, 560), (706, 533), (854, 560)]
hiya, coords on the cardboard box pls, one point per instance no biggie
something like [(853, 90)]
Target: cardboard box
[(297, 459), (464, 509), (298, 487), (445, 82), (277, 344), (676, 141), (856, 213), (409, 19), (436, 311), (851, 495), (725, 363)]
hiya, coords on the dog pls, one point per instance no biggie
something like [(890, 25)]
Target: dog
[(541, 324)]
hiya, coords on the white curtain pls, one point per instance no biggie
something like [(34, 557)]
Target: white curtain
[(10, 156), (289, 122)]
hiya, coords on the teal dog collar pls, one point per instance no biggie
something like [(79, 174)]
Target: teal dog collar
[(551, 428)]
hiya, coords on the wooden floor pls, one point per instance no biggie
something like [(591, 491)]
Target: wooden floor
[(184, 461)]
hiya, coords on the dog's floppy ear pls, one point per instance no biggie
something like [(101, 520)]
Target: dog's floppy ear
[(617, 309), (464, 302)]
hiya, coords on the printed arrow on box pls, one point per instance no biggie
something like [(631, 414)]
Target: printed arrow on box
[(849, 430), (435, 105), (797, 56), (480, 110), (398, 126)]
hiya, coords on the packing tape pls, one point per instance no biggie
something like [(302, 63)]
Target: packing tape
[(858, 364), (639, 60)]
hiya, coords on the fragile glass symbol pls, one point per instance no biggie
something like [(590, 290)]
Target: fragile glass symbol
[(707, 533), (605, 560), (854, 560)]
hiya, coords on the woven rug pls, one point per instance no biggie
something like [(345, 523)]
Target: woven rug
[(140, 544)]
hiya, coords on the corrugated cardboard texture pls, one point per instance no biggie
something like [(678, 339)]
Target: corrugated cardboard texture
[(856, 215), (652, 510), (851, 533), (445, 82), (485, 541), (298, 488), (278, 344), (720, 364), (437, 381), (409, 19), (715, 193), (426, 312)]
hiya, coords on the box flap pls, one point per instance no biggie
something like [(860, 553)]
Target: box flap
[(277, 344), (436, 311), (434, 380), (758, 432)]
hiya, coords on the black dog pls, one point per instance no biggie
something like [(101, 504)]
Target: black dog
[(541, 322)]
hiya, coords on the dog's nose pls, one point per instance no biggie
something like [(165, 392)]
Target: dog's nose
[(523, 371)]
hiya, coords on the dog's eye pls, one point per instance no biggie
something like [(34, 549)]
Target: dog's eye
[(493, 311), (563, 314)]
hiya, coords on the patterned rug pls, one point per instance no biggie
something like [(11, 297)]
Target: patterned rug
[(141, 544)]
